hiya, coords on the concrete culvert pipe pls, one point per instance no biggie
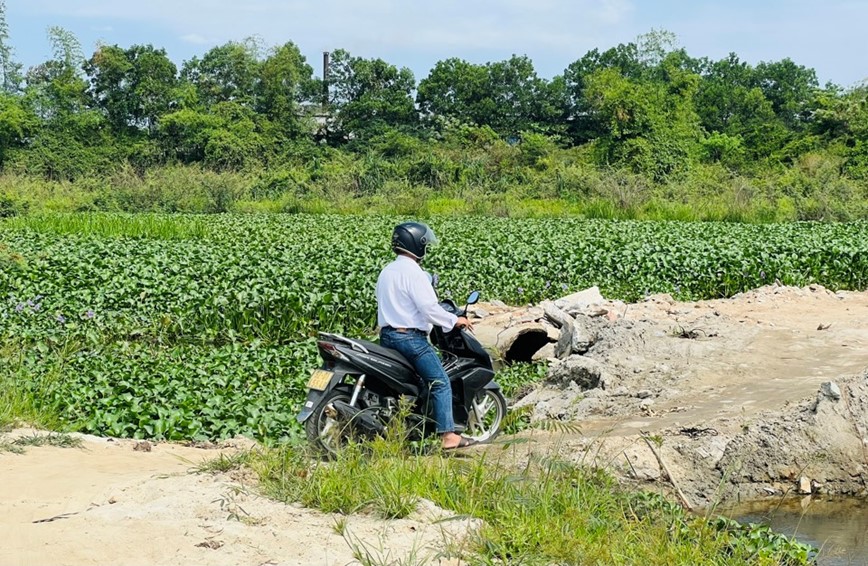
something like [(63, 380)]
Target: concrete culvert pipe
[(519, 344)]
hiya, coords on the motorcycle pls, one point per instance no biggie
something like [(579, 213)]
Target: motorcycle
[(357, 390)]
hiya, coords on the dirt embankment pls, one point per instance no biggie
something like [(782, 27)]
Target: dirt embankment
[(762, 394)]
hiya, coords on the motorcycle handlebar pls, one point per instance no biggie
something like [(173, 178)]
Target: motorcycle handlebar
[(450, 306)]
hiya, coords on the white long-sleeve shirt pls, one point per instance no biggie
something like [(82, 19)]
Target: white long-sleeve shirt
[(406, 299)]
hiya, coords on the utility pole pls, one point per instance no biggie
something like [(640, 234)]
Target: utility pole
[(325, 81)]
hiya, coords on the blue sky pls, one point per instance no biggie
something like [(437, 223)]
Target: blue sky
[(827, 36)]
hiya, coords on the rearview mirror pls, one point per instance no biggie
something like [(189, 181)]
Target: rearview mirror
[(473, 298)]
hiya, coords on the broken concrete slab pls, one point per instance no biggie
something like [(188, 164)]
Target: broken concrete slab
[(578, 302)]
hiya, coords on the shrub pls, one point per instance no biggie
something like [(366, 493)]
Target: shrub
[(10, 206)]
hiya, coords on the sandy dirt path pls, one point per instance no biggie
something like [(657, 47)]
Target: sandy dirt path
[(107, 503)]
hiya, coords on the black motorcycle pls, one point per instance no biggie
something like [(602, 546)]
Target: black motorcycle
[(357, 390)]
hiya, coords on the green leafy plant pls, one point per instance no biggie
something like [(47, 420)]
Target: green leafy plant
[(190, 327)]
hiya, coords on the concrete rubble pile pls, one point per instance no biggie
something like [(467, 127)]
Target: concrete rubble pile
[(552, 330)]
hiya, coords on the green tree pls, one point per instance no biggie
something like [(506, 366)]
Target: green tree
[(652, 57), (730, 102), (654, 47), (72, 139), (133, 86), (507, 96), (368, 97), (651, 125), (10, 70), (841, 121), (227, 73), (223, 137), (17, 124), (458, 90), (57, 87), (285, 83), (520, 97), (583, 123), (790, 88)]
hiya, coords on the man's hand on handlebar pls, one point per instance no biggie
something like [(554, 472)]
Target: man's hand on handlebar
[(464, 323)]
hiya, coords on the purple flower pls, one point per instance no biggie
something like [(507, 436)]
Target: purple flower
[(60, 318), (548, 284), (89, 314), (762, 274), (520, 290), (564, 286), (19, 307)]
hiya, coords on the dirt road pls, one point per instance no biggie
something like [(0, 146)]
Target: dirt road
[(109, 503)]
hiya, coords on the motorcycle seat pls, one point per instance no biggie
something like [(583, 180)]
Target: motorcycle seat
[(416, 385), (387, 353)]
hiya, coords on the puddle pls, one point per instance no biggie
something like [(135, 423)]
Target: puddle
[(836, 526)]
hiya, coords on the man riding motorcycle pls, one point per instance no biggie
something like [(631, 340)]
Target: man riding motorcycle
[(407, 310)]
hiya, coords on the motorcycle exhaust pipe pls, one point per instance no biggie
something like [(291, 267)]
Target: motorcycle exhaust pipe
[(357, 418)]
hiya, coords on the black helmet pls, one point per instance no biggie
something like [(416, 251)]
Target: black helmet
[(412, 238)]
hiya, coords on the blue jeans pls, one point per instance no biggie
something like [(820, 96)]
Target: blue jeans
[(415, 347)]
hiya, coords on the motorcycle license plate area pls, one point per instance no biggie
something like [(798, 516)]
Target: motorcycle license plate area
[(320, 379)]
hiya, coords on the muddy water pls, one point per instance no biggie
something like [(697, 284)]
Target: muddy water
[(837, 526)]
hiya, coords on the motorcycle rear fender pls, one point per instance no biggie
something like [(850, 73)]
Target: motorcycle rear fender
[(314, 396)]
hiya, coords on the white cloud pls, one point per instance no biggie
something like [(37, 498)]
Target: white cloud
[(416, 33), (492, 24), (196, 39), (614, 11)]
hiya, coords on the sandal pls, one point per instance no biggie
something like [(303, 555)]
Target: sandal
[(463, 443)]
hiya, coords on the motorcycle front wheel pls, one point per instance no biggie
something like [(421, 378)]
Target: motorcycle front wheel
[(324, 429), (487, 413)]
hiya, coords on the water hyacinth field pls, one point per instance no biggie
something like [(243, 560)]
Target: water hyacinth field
[(193, 327)]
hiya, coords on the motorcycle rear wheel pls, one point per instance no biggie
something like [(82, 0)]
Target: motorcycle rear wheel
[(486, 415), (327, 434)]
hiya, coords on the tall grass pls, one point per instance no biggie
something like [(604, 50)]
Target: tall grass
[(544, 511), (459, 185), (21, 399)]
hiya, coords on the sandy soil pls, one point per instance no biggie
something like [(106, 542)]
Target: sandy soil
[(751, 353), (108, 503), (740, 403), (761, 394)]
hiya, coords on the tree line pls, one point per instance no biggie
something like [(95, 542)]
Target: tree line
[(646, 109)]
